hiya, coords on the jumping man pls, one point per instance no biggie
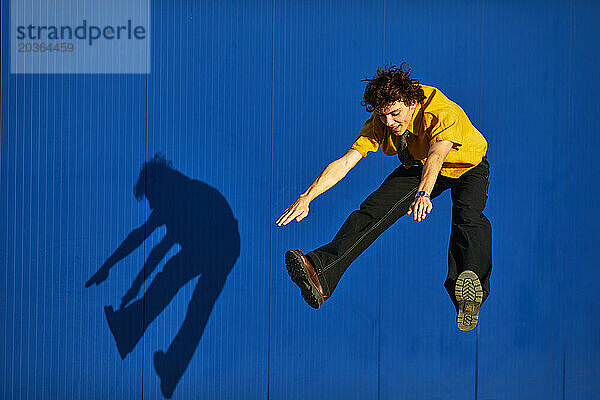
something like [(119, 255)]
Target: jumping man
[(439, 149)]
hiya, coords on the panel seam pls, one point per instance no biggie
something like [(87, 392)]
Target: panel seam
[(481, 47), (271, 199), (380, 311), (569, 83)]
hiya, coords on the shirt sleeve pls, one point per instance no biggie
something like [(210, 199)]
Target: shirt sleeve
[(447, 128), (369, 138)]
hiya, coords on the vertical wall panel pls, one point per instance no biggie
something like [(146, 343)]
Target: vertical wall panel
[(579, 288), (423, 354), (322, 51), (67, 144), (210, 114), (524, 112)]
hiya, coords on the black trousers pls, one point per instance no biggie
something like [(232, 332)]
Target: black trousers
[(470, 245)]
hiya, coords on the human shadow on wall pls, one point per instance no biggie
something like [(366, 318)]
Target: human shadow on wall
[(199, 219)]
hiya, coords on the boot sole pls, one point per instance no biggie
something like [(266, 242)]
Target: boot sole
[(299, 274), (469, 295)]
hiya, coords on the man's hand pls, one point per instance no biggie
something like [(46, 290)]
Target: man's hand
[(298, 210), (331, 175), (435, 159), (420, 208)]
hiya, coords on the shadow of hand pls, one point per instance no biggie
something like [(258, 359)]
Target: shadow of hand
[(99, 277)]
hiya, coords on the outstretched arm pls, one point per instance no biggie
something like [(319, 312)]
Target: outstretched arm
[(131, 242), (156, 254), (435, 158), (331, 175)]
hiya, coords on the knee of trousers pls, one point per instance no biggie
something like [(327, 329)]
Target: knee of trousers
[(366, 212), (468, 216)]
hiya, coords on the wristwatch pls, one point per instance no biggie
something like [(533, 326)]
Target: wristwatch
[(422, 193)]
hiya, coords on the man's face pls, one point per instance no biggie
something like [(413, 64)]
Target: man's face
[(397, 116)]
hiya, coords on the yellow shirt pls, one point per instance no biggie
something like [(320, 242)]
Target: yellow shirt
[(436, 118)]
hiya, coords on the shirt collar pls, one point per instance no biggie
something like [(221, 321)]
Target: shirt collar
[(411, 124)]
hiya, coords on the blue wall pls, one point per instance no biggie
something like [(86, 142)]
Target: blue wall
[(254, 98)]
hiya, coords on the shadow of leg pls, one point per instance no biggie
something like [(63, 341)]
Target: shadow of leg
[(129, 324), (171, 365), (156, 254)]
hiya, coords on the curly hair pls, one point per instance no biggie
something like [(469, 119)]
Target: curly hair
[(389, 85)]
